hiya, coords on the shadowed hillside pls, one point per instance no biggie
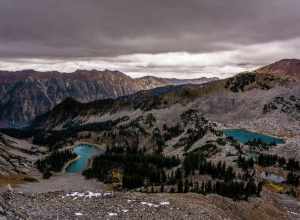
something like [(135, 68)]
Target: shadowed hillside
[(26, 94)]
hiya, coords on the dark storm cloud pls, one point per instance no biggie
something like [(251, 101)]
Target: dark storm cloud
[(82, 28)]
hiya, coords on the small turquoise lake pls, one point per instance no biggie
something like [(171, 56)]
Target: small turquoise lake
[(85, 152), (244, 136)]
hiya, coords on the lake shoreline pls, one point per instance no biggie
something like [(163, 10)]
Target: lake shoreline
[(245, 132), (85, 154), (100, 147), (64, 169), (253, 131)]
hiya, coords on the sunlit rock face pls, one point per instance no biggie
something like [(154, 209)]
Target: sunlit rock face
[(285, 67)]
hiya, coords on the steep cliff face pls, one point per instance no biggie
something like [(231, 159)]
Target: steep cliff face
[(22, 100), (26, 94), (17, 156)]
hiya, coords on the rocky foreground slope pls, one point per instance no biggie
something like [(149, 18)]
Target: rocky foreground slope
[(85, 205), (26, 94), (90, 200)]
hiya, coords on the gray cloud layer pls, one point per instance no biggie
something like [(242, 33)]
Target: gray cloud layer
[(173, 64), (182, 38), (113, 27)]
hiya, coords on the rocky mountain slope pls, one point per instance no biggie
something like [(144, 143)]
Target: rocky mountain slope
[(235, 100), (171, 140), (285, 67), (151, 82), (260, 102), (26, 94), (16, 156), (102, 205)]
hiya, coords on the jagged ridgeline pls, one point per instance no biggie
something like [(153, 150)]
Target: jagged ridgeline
[(71, 113), (27, 94)]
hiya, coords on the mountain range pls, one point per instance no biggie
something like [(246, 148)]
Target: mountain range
[(269, 102), (173, 139), (27, 94)]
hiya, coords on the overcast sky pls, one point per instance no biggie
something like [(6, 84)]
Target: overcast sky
[(173, 38)]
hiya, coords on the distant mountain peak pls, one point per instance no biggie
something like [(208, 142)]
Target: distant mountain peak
[(28, 93), (285, 67)]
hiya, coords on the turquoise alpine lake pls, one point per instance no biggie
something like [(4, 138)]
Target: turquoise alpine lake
[(244, 136), (85, 152)]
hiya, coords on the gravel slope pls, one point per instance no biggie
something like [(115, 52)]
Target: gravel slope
[(72, 197)]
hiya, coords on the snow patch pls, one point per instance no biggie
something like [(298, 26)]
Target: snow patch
[(149, 204), (293, 213), (164, 203), (107, 194), (112, 214), (88, 195)]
